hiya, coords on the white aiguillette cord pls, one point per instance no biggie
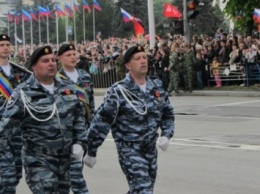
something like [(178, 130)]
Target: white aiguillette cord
[(134, 101), (38, 109), (2, 97)]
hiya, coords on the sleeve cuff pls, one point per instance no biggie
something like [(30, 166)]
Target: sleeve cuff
[(91, 152)]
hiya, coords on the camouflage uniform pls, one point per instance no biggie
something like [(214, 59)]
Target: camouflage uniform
[(189, 61), (120, 68), (78, 183), (17, 76), (84, 81), (135, 134), (175, 65), (48, 133)]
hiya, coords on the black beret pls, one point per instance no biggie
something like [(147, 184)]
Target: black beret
[(131, 51), (65, 47), (4, 37), (39, 52)]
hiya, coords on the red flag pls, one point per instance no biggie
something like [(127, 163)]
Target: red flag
[(171, 11), (138, 28)]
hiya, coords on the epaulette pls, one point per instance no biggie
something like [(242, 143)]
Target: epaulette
[(20, 67), (62, 76), (153, 77), (157, 82)]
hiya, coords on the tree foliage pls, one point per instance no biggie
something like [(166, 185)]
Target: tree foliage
[(109, 21), (209, 19), (241, 11), (137, 8), (43, 23)]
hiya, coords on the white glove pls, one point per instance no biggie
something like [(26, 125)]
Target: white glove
[(77, 151), (163, 143), (90, 161)]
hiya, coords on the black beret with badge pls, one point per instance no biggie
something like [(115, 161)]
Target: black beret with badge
[(39, 52), (4, 37), (66, 47), (131, 51)]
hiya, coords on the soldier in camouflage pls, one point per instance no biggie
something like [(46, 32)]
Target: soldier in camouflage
[(80, 78), (189, 61), (53, 125), (134, 109), (10, 76), (174, 68), (120, 69)]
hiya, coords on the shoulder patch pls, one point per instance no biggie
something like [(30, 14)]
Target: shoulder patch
[(13, 98)]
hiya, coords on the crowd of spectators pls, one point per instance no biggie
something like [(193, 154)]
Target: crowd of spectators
[(212, 54)]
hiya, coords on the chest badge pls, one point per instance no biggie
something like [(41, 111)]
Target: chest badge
[(157, 95), (17, 77), (67, 92)]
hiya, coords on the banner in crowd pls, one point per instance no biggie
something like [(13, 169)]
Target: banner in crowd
[(171, 11)]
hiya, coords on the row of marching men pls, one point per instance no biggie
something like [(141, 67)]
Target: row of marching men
[(48, 125)]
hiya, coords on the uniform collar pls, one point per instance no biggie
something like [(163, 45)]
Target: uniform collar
[(34, 83), (131, 85)]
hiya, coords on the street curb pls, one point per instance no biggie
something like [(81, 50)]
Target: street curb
[(102, 91), (224, 93)]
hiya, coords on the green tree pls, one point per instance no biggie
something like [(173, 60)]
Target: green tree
[(241, 12), (43, 22), (102, 21), (137, 8), (209, 19)]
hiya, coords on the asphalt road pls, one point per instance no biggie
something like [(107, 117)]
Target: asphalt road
[(216, 150)]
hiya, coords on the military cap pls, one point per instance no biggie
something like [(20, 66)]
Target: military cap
[(39, 52), (66, 47), (131, 51), (4, 37)]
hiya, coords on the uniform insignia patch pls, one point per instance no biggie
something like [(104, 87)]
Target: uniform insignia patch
[(13, 98), (17, 77)]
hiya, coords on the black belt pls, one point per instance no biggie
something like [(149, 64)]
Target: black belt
[(144, 146), (50, 151)]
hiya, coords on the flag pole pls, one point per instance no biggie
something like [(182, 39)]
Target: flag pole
[(23, 38), (150, 5), (31, 36), (66, 26), (15, 33), (39, 26), (186, 25), (94, 30), (8, 27), (74, 23), (57, 31), (47, 23), (84, 31)]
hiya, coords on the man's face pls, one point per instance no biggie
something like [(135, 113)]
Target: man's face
[(138, 64), (69, 58), (45, 68), (5, 49)]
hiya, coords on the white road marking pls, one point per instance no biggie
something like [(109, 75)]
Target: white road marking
[(233, 103), (210, 144), (217, 116), (234, 147)]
